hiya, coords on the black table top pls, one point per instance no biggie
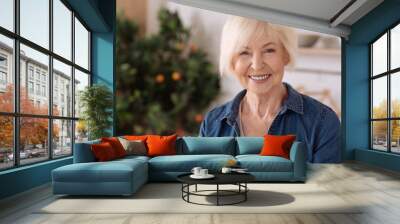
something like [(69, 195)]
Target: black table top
[(220, 178)]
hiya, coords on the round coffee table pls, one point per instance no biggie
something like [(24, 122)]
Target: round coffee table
[(238, 179)]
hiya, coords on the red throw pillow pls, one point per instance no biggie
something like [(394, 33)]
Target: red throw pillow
[(277, 145), (103, 151), (161, 145), (116, 145)]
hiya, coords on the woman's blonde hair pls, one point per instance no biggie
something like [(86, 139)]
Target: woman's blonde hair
[(237, 32)]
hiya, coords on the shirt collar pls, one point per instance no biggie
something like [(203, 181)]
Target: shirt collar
[(293, 102)]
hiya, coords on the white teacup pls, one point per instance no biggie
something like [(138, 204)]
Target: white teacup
[(226, 170), (203, 172), (196, 171)]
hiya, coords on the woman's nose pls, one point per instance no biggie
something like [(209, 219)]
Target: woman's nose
[(257, 62)]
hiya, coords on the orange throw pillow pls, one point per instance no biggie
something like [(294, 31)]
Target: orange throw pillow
[(135, 137), (103, 152), (277, 145), (116, 145), (161, 145)]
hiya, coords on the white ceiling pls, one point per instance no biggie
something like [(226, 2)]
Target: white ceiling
[(320, 9), (313, 15)]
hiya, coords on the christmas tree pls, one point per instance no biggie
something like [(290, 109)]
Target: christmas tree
[(164, 81)]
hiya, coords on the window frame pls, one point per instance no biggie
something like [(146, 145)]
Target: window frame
[(16, 114), (388, 74)]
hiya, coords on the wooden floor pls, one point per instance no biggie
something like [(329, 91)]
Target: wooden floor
[(378, 188)]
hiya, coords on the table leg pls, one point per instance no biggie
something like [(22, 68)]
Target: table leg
[(245, 193), (188, 189), (182, 188), (217, 194)]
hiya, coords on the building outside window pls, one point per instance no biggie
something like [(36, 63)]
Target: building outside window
[(30, 72), (55, 96), (43, 90), (3, 61), (3, 72), (38, 89), (3, 79), (43, 78), (37, 75), (30, 87)]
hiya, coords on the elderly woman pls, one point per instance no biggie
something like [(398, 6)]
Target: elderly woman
[(256, 53)]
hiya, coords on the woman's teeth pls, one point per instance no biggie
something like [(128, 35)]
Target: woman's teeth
[(260, 77)]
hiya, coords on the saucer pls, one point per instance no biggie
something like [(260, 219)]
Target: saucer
[(208, 176)]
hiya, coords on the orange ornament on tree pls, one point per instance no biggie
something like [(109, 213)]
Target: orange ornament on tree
[(160, 78), (198, 118), (176, 76)]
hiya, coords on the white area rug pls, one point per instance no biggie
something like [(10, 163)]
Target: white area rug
[(166, 198)]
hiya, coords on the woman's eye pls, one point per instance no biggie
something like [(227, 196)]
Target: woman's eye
[(244, 53), (270, 50)]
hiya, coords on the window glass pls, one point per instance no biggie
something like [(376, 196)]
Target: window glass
[(379, 56), (6, 142), (81, 131), (395, 136), (81, 45), (379, 135), (379, 97), (7, 14), (395, 47), (6, 74), (62, 29), (395, 95), (33, 140), (39, 62), (62, 138), (62, 91), (81, 81), (34, 81), (34, 21)]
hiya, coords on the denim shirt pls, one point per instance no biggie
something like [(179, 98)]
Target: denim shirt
[(312, 122)]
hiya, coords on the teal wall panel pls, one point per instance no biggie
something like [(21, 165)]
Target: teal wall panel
[(356, 116), (24, 178), (377, 158), (103, 52), (355, 88), (90, 12)]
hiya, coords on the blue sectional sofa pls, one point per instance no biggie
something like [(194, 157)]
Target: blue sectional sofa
[(125, 176)]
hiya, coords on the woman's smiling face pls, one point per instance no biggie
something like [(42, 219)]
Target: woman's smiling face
[(259, 64)]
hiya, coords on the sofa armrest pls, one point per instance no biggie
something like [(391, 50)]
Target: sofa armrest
[(83, 152), (298, 155)]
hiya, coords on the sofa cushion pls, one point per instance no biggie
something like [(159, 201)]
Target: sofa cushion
[(277, 145), (103, 152), (185, 163), (257, 163), (131, 158), (161, 145), (135, 137), (83, 152), (133, 147), (111, 171), (116, 145), (249, 145), (206, 145)]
